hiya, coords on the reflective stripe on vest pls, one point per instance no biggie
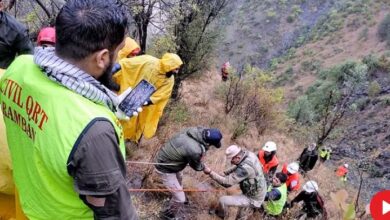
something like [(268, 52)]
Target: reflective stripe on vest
[(267, 166), (276, 207), (44, 121)]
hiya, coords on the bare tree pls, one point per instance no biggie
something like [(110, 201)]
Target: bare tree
[(338, 101), (142, 12)]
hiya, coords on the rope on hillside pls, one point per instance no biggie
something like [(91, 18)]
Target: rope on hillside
[(151, 163), (184, 190)]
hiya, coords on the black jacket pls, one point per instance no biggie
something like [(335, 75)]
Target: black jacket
[(13, 40), (308, 159), (313, 204)]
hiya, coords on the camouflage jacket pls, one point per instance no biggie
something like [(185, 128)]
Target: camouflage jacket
[(249, 174)]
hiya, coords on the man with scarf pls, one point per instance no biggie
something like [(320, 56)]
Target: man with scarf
[(65, 141)]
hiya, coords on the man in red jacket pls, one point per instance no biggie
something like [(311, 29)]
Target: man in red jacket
[(292, 176), (268, 159), (342, 172)]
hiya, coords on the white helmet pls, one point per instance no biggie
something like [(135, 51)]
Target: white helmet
[(310, 186), (232, 151), (346, 165), (269, 146), (293, 167)]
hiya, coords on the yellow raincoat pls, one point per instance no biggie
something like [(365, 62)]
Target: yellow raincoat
[(153, 70), (9, 208), (130, 46)]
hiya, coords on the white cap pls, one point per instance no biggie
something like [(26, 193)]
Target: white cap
[(293, 167), (269, 146), (310, 186), (346, 165), (232, 151)]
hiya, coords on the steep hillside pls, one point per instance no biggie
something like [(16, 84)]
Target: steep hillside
[(257, 31), (296, 42), (201, 107)]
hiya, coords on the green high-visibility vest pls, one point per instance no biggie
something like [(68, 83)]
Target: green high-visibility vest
[(325, 154), (44, 121), (276, 207)]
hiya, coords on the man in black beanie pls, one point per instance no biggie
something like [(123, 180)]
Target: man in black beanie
[(186, 148)]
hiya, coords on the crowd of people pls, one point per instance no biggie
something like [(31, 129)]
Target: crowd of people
[(66, 133), (262, 187)]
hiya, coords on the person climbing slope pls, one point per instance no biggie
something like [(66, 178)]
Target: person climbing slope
[(187, 147)]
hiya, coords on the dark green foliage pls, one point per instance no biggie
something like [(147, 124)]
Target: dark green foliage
[(384, 29), (326, 102), (301, 110)]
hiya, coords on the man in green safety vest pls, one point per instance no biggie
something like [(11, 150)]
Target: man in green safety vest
[(325, 153), (276, 196), (65, 140)]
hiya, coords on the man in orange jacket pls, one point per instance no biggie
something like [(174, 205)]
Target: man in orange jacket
[(291, 170), (342, 172), (268, 159)]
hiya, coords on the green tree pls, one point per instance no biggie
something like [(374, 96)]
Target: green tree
[(189, 33), (142, 12), (301, 110), (329, 99), (374, 89)]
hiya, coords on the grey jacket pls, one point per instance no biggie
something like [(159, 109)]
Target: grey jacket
[(186, 147), (249, 174)]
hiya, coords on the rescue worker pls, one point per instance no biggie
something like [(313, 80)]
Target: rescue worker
[(158, 72), (325, 154), (248, 174), (276, 196), (268, 159), (66, 145), (308, 158), (225, 71), (188, 147), (342, 172), (291, 170), (313, 204), (47, 37), (131, 49), (14, 38)]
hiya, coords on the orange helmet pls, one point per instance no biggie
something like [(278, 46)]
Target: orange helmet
[(47, 35)]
